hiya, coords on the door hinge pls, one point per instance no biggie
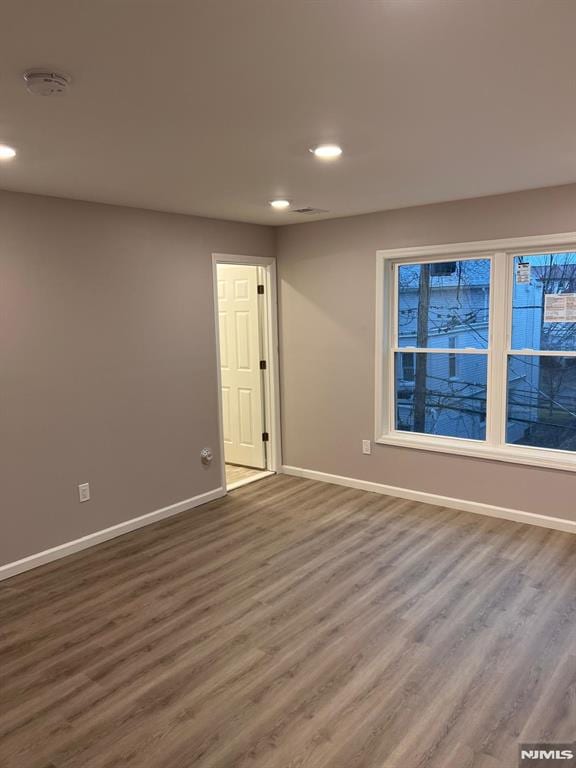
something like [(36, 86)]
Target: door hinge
[(265, 437), (262, 365), (260, 289)]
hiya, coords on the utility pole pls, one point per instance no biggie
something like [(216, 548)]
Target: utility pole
[(421, 368)]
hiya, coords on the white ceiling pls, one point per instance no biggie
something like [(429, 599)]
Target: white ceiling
[(210, 106)]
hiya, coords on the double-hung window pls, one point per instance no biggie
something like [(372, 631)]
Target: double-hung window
[(476, 349)]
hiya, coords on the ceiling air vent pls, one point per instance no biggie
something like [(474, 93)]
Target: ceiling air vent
[(308, 210)]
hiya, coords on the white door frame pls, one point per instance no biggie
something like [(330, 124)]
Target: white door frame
[(271, 374)]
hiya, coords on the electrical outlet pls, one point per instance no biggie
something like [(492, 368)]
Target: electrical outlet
[(366, 447), (84, 492)]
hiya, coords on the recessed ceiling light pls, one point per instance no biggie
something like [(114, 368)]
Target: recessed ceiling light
[(6, 152), (327, 151), (280, 205)]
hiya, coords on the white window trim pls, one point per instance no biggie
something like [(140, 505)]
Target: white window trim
[(499, 251)]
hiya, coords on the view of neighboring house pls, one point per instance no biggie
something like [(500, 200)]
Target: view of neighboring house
[(446, 306)]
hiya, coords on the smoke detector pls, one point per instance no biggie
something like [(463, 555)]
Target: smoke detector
[(44, 83)]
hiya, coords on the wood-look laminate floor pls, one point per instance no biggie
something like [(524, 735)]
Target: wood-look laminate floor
[(234, 472), (294, 624)]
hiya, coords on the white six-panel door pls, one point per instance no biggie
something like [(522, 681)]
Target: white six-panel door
[(242, 406)]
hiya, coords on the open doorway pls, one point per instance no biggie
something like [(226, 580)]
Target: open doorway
[(245, 300)]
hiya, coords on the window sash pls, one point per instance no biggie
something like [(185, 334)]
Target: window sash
[(498, 351), (396, 294), (394, 348), (527, 254)]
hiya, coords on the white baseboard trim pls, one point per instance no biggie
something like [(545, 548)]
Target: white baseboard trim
[(70, 547), (516, 515)]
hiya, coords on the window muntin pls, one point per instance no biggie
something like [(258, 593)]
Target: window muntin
[(500, 429)]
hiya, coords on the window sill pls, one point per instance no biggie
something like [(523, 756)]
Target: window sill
[(534, 457)]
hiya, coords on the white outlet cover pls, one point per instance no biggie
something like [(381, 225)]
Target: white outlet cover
[(366, 447), (84, 492)]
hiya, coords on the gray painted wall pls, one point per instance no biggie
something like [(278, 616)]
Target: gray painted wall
[(107, 363), (327, 308), (108, 369)]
